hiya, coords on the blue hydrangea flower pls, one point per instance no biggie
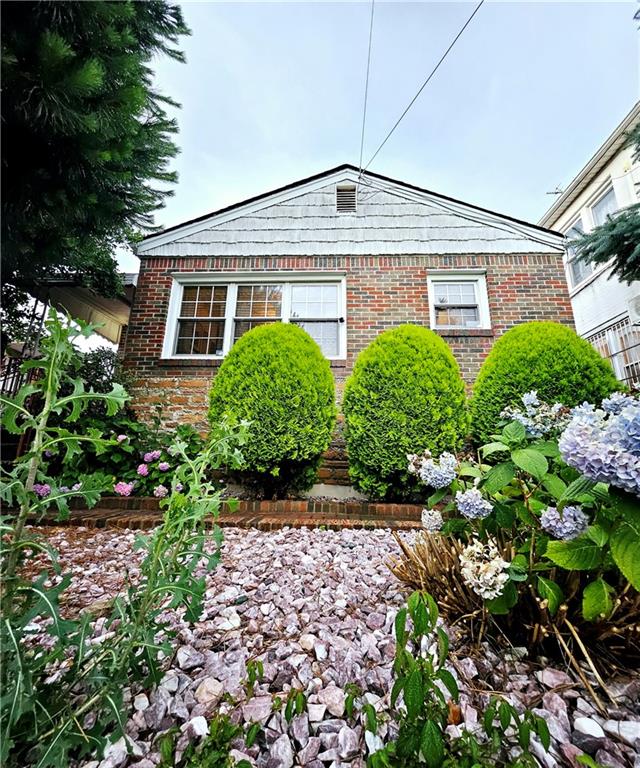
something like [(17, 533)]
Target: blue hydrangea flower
[(616, 402), (605, 447), (440, 474), (565, 525), (471, 504)]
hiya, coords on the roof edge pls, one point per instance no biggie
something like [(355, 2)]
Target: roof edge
[(333, 171)]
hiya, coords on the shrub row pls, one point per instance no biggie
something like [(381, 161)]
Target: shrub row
[(405, 394)]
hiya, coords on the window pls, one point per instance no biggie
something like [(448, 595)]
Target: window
[(606, 206), (315, 308), (578, 270), (205, 320), (458, 301), (201, 321), (620, 343), (346, 198)]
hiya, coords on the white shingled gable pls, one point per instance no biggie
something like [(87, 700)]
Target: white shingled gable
[(391, 219)]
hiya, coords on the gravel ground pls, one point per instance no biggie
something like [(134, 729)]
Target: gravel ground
[(317, 607)]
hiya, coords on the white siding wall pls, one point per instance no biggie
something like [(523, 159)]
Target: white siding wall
[(385, 224)]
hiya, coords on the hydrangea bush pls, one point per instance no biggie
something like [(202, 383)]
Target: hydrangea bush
[(547, 516)]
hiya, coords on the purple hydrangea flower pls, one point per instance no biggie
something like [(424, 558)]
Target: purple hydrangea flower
[(160, 491), (42, 490), (76, 487), (143, 470), (565, 525), (124, 489), (152, 456), (64, 489), (471, 504), (164, 466), (616, 402), (179, 487), (121, 438)]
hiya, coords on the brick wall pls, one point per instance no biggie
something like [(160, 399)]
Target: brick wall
[(382, 292)]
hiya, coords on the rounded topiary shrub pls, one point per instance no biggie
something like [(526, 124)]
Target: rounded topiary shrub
[(543, 356), (276, 377), (405, 395)]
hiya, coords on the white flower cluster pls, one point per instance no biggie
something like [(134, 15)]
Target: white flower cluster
[(483, 569), (538, 418), (432, 520), (438, 474)]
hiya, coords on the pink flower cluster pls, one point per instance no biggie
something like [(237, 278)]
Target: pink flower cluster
[(124, 489), (121, 438), (160, 491), (163, 466), (143, 470), (152, 456)]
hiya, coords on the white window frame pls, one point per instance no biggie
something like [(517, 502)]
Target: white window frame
[(479, 280), (232, 280)]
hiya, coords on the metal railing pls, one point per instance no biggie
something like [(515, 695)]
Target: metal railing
[(620, 343)]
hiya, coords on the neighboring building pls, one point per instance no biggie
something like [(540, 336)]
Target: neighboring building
[(602, 305), (346, 257)]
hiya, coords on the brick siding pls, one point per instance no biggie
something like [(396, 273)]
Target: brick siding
[(382, 292)]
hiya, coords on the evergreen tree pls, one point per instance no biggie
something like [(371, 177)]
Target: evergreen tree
[(86, 139), (618, 239)]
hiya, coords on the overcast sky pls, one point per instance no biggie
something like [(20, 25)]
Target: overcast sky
[(273, 92)]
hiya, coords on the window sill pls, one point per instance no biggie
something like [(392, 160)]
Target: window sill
[(458, 332)]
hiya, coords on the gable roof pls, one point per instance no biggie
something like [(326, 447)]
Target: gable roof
[(348, 172)]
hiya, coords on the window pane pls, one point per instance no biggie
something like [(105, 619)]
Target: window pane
[(455, 293), (604, 207), (463, 317), (203, 301), (242, 326), (200, 338), (579, 270), (314, 301), (259, 301), (324, 334)]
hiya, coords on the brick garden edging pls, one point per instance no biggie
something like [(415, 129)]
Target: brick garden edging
[(144, 513)]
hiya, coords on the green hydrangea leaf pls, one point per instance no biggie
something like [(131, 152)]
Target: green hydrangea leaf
[(581, 554), (498, 477), (625, 549), (596, 600), (551, 592), (531, 461)]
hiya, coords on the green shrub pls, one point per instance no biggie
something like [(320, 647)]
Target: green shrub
[(276, 377), (543, 356), (405, 394)]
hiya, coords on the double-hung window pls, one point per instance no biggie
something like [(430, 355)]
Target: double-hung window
[(208, 314), (458, 300)]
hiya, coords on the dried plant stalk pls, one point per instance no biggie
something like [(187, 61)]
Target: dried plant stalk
[(432, 563)]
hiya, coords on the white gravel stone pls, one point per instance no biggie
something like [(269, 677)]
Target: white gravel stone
[(209, 691), (588, 726)]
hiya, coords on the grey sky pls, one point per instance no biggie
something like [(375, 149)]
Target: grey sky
[(273, 92)]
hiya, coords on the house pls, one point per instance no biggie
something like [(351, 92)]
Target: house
[(344, 255), (603, 307)]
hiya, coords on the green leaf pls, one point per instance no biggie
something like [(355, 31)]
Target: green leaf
[(437, 496), (551, 592), (400, 626), (548, 448), (579, 554), (504, 715), (413, 693), (555, 485), (531, 461), (449, 680), (498, 477), (625, 549), (514, 433), (252, 733), (577, 489), (502, 604), (443, 645), (542, 730), (491, 448), (596, 600), (598, 535), (396, 690), (432, 745)]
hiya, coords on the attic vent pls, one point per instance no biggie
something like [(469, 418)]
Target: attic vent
[(346, 198)]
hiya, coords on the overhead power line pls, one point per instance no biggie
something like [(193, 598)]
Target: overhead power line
[(366, 84), (423, 86)]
